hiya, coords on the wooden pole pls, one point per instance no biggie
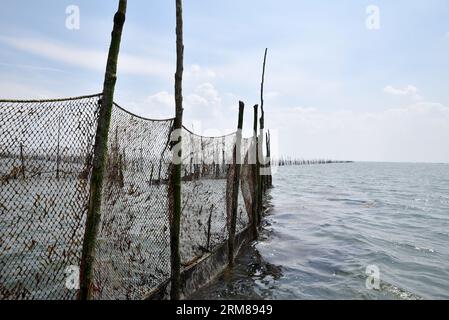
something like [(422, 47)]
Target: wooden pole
[(176, 179), (255, 177), (100, 153), (260, 157), (236, 183), (262, 127)]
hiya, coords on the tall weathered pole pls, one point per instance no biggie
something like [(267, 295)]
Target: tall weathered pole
[(255, 177), (100, 154), (236, 182), (261, 134), (177, 156)]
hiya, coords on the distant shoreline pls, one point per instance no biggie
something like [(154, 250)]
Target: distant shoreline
[(279, 163), (303, 162)]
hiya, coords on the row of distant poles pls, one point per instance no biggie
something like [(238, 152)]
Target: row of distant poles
[(262, 182)]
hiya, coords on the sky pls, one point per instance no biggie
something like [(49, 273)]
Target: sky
[(345, 80)]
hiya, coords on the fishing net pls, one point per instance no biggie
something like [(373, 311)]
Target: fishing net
[(133, 244), (46, 154), (46, 150), (206, 162)]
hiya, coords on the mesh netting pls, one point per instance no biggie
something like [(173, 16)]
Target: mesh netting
[(133, 244), (46, 153), (204, 202), (208, 171), (45, 162)]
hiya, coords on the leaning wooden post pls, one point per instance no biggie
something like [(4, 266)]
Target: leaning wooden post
[(255, 177), (235, 187), (177, 156), (100, 154)]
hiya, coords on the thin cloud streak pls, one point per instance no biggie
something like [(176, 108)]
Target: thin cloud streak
[(30, 67), (89, 59)]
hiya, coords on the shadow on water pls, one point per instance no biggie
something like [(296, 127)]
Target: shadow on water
[(252, 277), (248, 280)]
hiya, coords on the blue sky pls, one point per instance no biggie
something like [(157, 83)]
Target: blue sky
[(334, 88)]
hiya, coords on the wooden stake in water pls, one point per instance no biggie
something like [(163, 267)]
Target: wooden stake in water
[(237, 159), (176, 171), (262, 178), (255, 177), (99, 161)]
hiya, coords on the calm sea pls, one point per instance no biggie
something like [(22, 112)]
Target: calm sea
[(327, 224)]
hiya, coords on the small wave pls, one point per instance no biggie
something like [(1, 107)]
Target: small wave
[(443, 233), (425, 249), (366, 203), (411, 246)]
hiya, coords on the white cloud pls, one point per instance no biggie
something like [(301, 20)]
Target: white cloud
[(163, 99), (89, 59), (419, 132), (210, 94), (159, 105), (96, 59), (30, 67), (408, 90), (204, 104), (196, 72)]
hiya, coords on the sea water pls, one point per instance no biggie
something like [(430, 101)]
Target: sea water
[(348, 231)]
